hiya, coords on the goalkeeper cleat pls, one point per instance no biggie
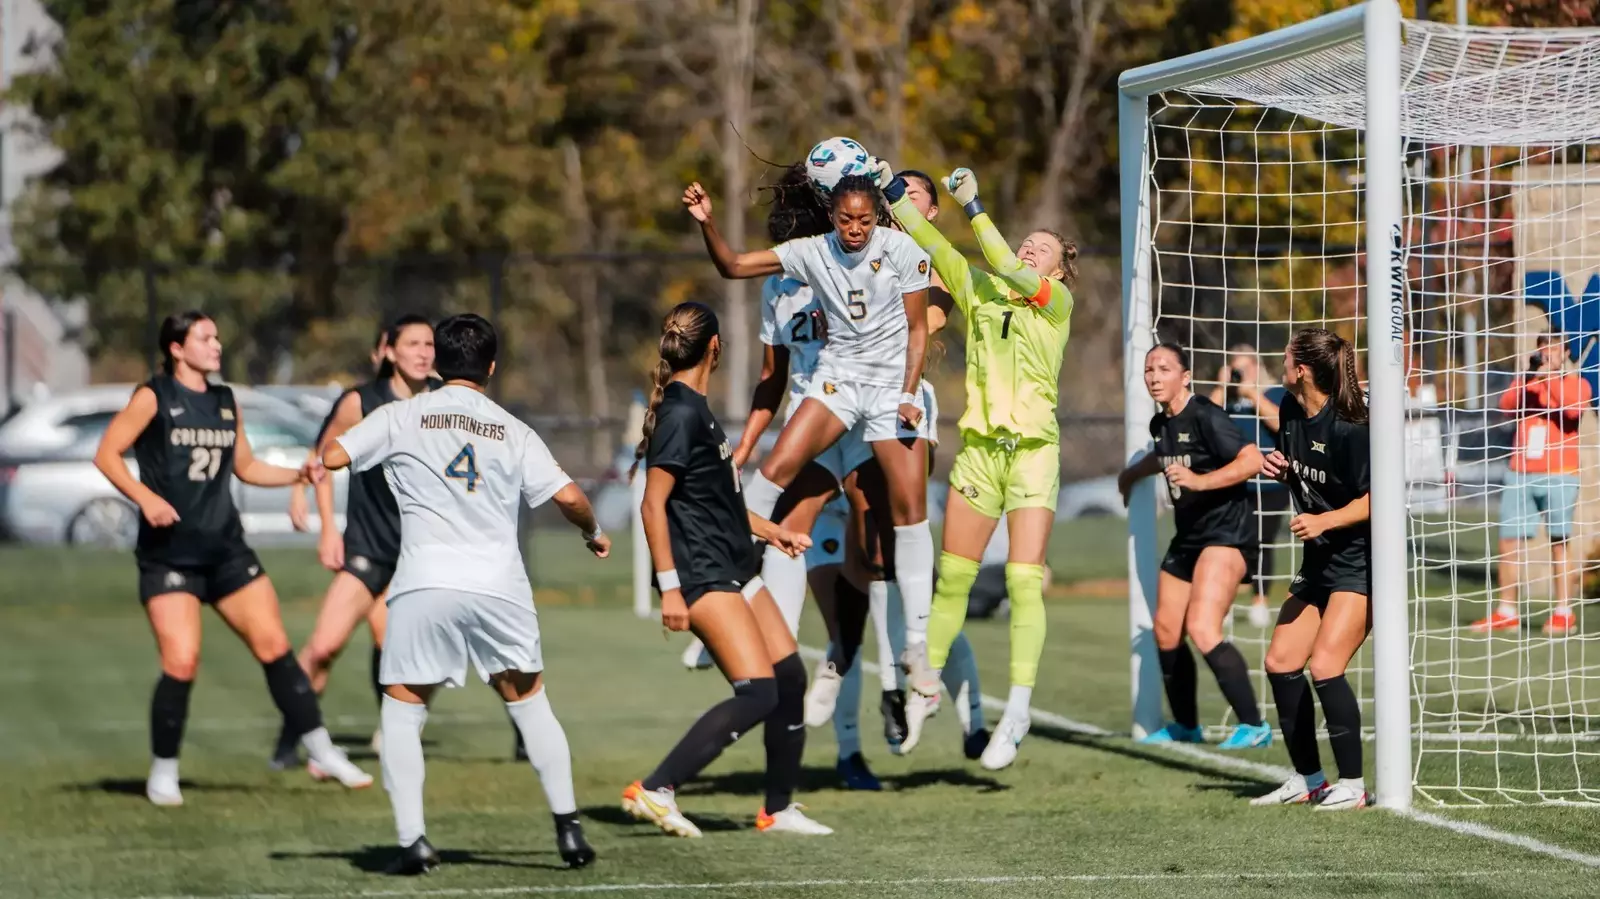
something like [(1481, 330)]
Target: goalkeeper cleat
[(1002, 748), (1260, 614), (1560, 623), (1175, 733), (659, 807), (418, 858), (856, 775), (973, 744), (1342, 797), (1249, 736), (1293, 792), (919, 709), (1499, 620), (893, 707), (791, 820), (823, 694), (574, 849), (696, 657)]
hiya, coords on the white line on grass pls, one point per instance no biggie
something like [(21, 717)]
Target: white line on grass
[(1277, 773), (1001, 879)]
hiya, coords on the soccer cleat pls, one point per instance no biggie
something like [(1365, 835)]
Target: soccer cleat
[(973, 744), (1500, 620), (1260, 614), (893, 707), (1174, 733), (696, 657), (791, 820), (823, 694), (1249, 736), (856, 775), (920, 676), (574, 849), (659, 807), (1560, 623), (161, 788), (919, 709), (418, 858), (286, 755), (336, 765), (1293, 792), (1002, 748), (1342, 798)]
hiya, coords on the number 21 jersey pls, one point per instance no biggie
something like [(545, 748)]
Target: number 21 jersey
[(185, 456), (792, 318)]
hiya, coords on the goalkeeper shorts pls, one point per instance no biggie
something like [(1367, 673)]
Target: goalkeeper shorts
[(1000, 476)]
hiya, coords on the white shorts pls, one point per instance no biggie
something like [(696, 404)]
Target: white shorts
[(847, 454), (875, 408), (433, 634), (828, 535)]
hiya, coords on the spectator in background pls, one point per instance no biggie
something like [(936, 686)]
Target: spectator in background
[(1251, 398), (1542, 484)]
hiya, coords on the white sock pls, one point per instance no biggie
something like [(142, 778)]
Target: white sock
[(847, 712), (913, 571), (878, 607), (761, 495), (1508, 608), (960, 676), (1359, 784), (403, 771), (548, 752), (786, 581), (160, 767), (1018, 703), (318, 744)]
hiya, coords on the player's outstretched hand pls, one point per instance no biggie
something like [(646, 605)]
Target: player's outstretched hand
[(1274, 465), (600, 546), (882, 172), (158, 512), (963, 185), (910, 416), (790, 543), (330, 549), (299, 509), (698, 202), (674, 611)]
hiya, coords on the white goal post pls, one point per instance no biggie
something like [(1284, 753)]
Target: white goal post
[(1302, 178)]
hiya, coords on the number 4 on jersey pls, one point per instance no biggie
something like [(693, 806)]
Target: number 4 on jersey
[(465, 467)]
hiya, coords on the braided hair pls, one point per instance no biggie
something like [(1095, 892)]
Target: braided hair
[(1332, 362), (685, 338)]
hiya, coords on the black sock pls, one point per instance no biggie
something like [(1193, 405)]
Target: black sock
[(1233, 677), (851, 606), (1297, 719), (1177, 672), (292, 694), (785, 735), (1342, 713), (376, 665), (169, 711), (752, 701)]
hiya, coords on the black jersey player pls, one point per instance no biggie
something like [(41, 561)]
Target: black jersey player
[(1322, 457), (1207, 463), (189, 440), (708, 571)]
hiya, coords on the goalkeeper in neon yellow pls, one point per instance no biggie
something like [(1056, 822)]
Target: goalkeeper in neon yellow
[(1018, 320)]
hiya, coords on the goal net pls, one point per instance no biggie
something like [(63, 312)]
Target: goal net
[(1431, 191)]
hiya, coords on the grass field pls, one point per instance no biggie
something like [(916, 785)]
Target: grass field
[(1081, 814)]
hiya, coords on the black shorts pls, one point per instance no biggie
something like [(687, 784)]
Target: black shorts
[(374, 573), (1323, 574), (692, 592), (1182, 557), (210, 583)]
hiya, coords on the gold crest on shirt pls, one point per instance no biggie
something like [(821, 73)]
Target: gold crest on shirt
[(876, 264), (829, 388)]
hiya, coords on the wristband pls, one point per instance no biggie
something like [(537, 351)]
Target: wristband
[(895, 190), (908, 399), (594, 535), (668, 580), (973, 209)]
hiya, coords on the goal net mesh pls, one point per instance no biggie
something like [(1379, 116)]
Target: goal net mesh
[(1255, 183)]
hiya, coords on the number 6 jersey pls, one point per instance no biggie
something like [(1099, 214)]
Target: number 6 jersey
[(460, 468), (185, 456)]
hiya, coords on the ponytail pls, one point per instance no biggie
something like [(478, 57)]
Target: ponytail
[(1332, 362), (685, 339), (1352, 406), (658, 388)]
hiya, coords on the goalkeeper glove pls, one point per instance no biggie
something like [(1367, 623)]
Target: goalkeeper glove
[(963, 185), (883, 174)]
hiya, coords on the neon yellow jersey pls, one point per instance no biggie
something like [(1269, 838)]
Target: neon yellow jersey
[(1017, 329)]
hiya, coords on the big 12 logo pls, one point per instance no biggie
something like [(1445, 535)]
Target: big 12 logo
[(1577, 318)]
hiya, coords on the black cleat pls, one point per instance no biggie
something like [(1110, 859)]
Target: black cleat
[(893, 707), (856, 775), (574, 849), (418, 858), (975, 743), (286, 755)]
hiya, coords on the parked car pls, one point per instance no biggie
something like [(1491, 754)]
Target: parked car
[(50, 491)]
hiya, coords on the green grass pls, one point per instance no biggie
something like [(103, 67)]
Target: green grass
[(1123, 819)]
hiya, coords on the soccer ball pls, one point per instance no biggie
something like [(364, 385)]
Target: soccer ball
[(833, 159)]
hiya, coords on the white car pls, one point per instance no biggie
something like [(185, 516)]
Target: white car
[(50, 491)]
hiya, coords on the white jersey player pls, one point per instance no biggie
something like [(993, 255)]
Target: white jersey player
[(461, 468)]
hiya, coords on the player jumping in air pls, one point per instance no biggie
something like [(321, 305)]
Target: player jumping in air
[(701, 541), (189, 440), (1323, 457), (1018, 321), (1208, 464), (462, 468)]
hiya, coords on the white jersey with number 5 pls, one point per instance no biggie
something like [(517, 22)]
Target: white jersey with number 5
[(792, 318), (862, 295), (461, 468)]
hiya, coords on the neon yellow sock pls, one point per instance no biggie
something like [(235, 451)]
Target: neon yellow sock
[(957, 574), (1025, 588)]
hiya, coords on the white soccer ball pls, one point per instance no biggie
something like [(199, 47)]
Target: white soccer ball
[(833, 159)]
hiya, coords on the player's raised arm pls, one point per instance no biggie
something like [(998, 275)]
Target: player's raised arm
[(366, 444), (1040, 268), (730, 263), (953, 268)]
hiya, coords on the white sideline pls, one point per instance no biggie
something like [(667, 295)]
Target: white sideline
[(1275, 773)]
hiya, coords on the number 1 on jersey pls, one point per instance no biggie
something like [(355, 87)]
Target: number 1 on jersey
[(468, 458)]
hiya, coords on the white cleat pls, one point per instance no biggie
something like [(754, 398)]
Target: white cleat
[(1002, 748), (1260, 615), (1341, 798), (337, 766), (1293, 792), (919, 709), (696, 657), (823, 694), (162, 786), (791, 820), (659, 807)]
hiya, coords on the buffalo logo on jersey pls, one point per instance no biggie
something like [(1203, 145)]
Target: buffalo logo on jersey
[(829, 388), (876, 264), (969, 491), (174, 579)]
